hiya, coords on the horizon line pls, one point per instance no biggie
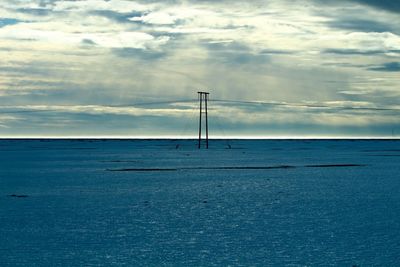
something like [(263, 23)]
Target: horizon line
[(55, 137)]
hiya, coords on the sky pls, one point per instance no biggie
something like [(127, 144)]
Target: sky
[(300, 68)]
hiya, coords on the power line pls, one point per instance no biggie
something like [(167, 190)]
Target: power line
[(28, 111), (91, 105), (153, 103), (322, 106)]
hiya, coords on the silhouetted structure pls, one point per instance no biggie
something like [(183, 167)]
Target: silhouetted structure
[(203, 97)]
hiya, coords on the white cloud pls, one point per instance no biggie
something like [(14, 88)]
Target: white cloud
[(139, 40), (5, 120), (87, 5), (170, 15), (156, 18), (362, 41), (101, 110)]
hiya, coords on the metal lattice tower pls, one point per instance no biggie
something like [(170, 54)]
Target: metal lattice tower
[(203, 97)]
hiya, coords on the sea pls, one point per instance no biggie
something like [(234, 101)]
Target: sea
[(149, 202)]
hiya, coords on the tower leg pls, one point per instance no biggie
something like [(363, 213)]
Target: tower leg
[(201, 111), (203, 96), (206, 107)]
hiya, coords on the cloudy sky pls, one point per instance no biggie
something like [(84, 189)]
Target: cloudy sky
[(133, 68)]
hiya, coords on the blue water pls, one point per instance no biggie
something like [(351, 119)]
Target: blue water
[(166, 203)]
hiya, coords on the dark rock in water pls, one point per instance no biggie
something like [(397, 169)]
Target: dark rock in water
[(14, 195), (205, 201)]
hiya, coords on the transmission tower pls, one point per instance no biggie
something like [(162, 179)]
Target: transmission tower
[(203, 97)]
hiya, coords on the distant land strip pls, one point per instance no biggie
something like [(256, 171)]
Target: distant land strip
[(141, 170), (233, 168), (334, 165)]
